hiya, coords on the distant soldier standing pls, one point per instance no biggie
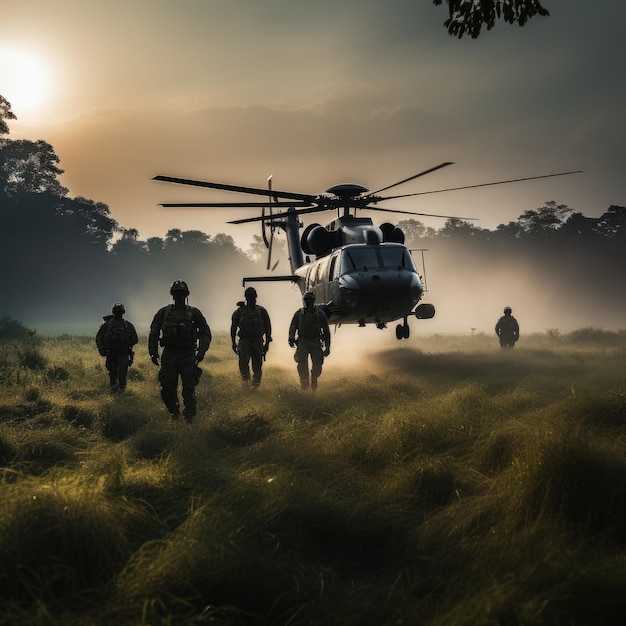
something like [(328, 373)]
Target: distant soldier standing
[(251, 323), (507, 329), (310, 333), (185, 336), (115, 340)]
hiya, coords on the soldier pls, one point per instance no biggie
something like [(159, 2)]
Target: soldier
[(185, 336), (313, 338), (115, 340), (255, 334), (507, 329)]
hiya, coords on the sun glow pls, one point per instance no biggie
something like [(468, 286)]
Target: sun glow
[(24, 80)]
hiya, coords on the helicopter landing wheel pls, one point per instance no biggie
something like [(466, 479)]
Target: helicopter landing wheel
[(402, 331)]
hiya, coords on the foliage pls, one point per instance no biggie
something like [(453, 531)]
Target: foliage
[(455, 484), (467, 17), (29, 166), (12, 329), (5, 114)]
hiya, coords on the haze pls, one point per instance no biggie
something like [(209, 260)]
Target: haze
[(321, 93)]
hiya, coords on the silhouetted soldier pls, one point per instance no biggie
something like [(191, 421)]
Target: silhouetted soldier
[(255, 333), (115, 340), (185, 336), (310, 333), (507, 329)]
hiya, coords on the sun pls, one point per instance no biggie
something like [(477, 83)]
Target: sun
[(24, 81)]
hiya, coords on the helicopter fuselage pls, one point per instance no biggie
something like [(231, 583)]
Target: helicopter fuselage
[(361, 283)]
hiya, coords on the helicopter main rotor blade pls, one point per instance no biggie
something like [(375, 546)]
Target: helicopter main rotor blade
[(500, 182), (239, 188), (406, 180), (226, 205), (313, 209), (448, 217)]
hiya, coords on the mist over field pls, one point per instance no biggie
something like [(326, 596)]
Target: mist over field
[(468, 293), (467, 289)]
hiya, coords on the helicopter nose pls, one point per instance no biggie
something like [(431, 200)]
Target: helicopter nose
[(382, 294)]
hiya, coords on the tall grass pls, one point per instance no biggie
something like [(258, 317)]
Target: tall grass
[(455, 484)]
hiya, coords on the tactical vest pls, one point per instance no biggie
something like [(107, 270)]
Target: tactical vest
[(250, 322), (178, 329), (309, 323), (507, 325), (117, 336)]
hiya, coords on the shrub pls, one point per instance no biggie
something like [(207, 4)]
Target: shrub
[(12, 329)]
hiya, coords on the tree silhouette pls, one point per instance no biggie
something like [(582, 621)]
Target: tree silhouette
[(5, 114), (467, 17), (415, 231), (544, 220), (457, 228), (612, 223), (30, 166)]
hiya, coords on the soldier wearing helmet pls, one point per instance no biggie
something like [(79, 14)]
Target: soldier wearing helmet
[(251, 324), (507, 329), (115, 340), (185, 336), (310, 334)]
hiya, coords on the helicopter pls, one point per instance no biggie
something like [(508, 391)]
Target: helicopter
[(360, 273)]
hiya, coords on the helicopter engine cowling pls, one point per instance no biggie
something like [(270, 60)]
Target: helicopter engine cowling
[(392, 233), (317, 240), (305, 235), (372, 237)]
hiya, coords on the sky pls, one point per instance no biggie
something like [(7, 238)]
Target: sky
[(316, 94)]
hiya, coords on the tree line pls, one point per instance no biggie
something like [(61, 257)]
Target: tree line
[(66, 259)]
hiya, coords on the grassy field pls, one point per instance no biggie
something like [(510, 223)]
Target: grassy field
[(454, 484)]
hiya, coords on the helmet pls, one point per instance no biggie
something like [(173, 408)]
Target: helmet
[(308, 295), (250, 292), (507, 310), (179, 285), (118, 307)]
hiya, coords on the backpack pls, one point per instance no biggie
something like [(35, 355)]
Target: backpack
[(178, 329), (507, 326), (309, 326), (250, 321), (117, 336)]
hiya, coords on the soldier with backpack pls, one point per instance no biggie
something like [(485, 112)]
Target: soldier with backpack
[(310, 334), (115, 340), (507, 329), (185, 336), (251, 323)]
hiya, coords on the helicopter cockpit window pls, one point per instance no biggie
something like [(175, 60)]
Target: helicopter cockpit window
[(397, 258), (360, 258), (376, 257)]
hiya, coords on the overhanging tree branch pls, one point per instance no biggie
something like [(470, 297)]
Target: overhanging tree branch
[(467, 17)]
